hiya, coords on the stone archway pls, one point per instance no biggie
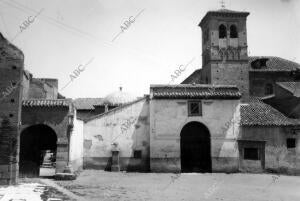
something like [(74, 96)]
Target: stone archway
[(34, 141), (195, 148)]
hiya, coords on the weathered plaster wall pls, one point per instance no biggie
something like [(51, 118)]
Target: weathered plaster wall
[(277, 157), (168, 117), (76, 145), (57, 119), (129, 127)]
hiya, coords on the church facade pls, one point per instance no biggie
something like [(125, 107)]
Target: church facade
[(235, 114)]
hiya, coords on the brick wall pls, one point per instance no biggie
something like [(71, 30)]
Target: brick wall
[(11, 71), (232, 74)]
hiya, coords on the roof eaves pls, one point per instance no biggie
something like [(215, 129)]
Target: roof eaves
[(46, 102)]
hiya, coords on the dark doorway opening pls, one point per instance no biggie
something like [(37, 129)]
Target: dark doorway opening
[(195, 148), (37, 151)]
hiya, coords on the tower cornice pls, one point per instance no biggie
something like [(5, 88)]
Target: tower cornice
[(223, 13)]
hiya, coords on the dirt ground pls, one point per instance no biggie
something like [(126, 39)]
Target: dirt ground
[(108, 186)]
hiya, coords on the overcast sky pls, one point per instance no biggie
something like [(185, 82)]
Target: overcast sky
[(165, 35)]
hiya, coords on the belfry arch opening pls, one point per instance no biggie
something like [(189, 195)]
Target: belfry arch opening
[(38, 144), (233, 31), (195, 148), (222, 31)]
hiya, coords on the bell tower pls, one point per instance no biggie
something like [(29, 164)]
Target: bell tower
[(225, 49)]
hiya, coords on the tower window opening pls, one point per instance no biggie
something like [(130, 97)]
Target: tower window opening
[(222, 31), (233, 31)]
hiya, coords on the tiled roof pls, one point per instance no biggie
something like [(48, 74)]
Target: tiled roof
[(189, 91), (46, 103), (87, 103), (260, 114), (275, 64), (293, 87)]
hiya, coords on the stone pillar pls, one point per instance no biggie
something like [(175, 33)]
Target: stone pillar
[(68, 172)]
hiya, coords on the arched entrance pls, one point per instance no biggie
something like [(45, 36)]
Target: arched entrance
[(195, 148), (37, 143)]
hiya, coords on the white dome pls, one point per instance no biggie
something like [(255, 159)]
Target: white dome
[(118, 98)]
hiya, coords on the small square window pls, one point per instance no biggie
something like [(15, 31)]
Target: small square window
[(251, 154), (291, 143), (195, 108), (137, 154)]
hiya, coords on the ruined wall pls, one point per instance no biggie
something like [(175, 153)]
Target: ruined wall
[(57, 119), (53, 89), (39, 89), (168, 117), (129, 127), (11, 74), (277, 157)]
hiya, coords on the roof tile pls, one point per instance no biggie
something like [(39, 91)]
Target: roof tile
[(87, 103), (46, 103), (275, 64), (257, 113), (189, 91)]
